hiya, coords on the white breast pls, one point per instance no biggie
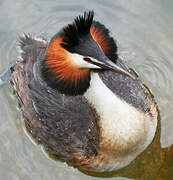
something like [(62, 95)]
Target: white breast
[(125, 131)]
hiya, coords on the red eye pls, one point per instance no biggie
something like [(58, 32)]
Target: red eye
[(87, 59)]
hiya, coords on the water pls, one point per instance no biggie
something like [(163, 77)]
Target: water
[(143, 29)]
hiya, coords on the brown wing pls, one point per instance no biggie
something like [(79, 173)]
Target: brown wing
[(66, 126)]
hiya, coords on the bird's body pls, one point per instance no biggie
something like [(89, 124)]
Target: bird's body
[(99, 122)]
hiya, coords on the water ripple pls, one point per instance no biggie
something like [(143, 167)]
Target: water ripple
[(125, 20)]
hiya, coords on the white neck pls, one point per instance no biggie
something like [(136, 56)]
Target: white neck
[(121, 125)]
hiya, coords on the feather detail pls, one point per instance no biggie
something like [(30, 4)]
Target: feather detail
[(80, 27), (102, 36), (61, 73)]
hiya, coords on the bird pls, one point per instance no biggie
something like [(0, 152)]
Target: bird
[(80, 100)]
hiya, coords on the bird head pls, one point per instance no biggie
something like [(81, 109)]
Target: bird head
[(75, 51)]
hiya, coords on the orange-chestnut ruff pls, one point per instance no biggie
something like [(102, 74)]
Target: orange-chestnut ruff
[(61, 64)]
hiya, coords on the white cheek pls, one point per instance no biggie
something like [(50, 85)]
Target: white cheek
[(78, 60)]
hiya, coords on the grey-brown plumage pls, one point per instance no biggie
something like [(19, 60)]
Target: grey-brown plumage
[(65, 125), (128, 89)]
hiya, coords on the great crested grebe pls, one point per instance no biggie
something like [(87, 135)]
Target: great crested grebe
[(80, 100)]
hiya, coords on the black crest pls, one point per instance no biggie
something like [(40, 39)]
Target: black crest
[(80, 28)]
